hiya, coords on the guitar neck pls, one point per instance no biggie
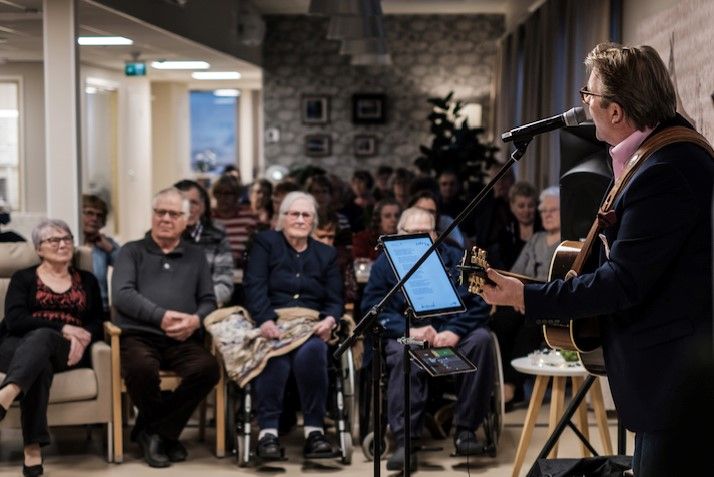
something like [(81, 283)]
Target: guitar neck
[(481, 272)]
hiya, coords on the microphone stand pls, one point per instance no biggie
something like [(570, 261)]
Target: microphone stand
[(369, 322)]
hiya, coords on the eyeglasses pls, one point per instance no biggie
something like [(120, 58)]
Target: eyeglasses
[(585, 95), (548, 211), (295, 214), (173, 214), (55, 241), (93, 213)]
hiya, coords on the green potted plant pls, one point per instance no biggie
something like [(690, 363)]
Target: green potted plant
[(455, 145)]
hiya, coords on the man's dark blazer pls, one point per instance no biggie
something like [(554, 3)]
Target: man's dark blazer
[(655, 291)]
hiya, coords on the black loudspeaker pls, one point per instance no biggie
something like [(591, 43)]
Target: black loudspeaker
[(585, 175)]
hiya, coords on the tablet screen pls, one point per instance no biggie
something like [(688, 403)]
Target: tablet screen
[(430, 290), (442, 361)]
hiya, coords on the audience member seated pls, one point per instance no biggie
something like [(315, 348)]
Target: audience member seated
[(381, 182), (361, 201), (8, 236), (384, 222), (326, 230), (516, 337), (465, 331), (237, 218), (320, 187), (400, 185), (261, 204), (523, 200), (286, 269), (280, 190), (201, 231), (53, 312), (493, 214), (162, 290), (449, 189), (427, 200), (104, 248)]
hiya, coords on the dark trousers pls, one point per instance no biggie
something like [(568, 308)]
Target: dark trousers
[(673, 452), (474, 389), (308, 364), (142, 356), (31, 362), (516, 338)]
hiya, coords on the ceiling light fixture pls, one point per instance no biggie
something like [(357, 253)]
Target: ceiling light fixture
[(216, 75), (180, 65), (228, 93), (104, 40)]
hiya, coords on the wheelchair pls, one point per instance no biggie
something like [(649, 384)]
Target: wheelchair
[(341, 409), (492, 425)]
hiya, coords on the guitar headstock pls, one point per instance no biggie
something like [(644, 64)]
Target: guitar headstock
[(473, 267)]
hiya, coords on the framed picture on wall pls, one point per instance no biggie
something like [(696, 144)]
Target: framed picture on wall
[(365, 145), (315, 109), (368, 108), (317, 145)]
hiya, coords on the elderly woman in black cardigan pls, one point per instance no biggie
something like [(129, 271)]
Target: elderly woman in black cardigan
[(288, 268), (53, 312)]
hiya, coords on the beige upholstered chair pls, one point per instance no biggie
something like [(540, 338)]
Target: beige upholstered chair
[(79, 396)]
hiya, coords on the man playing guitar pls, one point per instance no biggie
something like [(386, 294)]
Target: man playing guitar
[(653, 287)]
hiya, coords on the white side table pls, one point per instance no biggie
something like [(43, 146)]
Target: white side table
[(543, 373)]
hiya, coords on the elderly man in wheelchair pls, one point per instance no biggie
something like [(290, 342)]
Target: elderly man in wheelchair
[(466, 332)]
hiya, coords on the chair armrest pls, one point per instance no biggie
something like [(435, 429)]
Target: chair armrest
[(101, 363), (111, 330)]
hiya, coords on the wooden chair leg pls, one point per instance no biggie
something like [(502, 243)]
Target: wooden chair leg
[(541, 384), (220, 416), (582, 415), (601, 416)]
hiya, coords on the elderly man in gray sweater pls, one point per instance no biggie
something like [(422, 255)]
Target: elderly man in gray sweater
[(162, 290)]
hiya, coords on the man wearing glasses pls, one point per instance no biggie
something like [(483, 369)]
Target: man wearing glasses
[(162, 290), (653, 286)]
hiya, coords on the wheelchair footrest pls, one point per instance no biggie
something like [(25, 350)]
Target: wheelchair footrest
[(335, 453)]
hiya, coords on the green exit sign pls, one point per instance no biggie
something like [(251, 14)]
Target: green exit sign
[(135, 68)]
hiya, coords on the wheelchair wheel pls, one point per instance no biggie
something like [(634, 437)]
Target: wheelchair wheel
[(346, 449), (368, 447), (493, 424)]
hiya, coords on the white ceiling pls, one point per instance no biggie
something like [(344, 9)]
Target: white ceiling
[(21, 33)]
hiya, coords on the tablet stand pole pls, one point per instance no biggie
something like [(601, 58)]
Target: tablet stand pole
[(369, 319), (377, 330)]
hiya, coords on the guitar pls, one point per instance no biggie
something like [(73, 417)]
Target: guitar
[(580, 335)]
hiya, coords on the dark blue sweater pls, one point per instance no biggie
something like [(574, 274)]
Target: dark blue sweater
[(277, 276), (382, 279)]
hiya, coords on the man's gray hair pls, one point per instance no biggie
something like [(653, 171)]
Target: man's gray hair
[(39, 233), (185, 204), (552, 191), (288, 202), (415, 212)]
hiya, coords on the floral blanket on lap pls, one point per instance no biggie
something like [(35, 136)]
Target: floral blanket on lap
[(242, 348)]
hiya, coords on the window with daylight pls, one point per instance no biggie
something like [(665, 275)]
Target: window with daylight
[(10, 144), (214, 120)]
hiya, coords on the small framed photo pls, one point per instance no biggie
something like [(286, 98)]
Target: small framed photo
[(317, 145), (315, 109), (365, 145), (368, 108)]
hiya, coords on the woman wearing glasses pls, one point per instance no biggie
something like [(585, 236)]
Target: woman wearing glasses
[(53, 312), (289, 270)]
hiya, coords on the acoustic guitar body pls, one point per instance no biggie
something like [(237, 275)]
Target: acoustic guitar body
[(581, 335)]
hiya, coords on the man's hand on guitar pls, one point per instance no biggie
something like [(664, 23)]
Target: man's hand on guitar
[(505, 291)]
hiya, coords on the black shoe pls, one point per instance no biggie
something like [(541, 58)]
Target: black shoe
[(153, 447), (317, 446), (33, 470), (269, 447), (396, 460), (175, 451), (465, 443)]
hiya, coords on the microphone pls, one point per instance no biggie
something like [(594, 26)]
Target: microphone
[(572, 117)]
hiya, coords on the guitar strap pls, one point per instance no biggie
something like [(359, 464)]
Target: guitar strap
[(651, 145)]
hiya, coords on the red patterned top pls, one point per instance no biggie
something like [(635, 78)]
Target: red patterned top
[(65, 307)]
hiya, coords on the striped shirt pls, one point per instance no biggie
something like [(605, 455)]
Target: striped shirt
[(239, 226)]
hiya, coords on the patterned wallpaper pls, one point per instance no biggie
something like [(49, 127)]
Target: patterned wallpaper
[(431, 55), (683, 36)]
